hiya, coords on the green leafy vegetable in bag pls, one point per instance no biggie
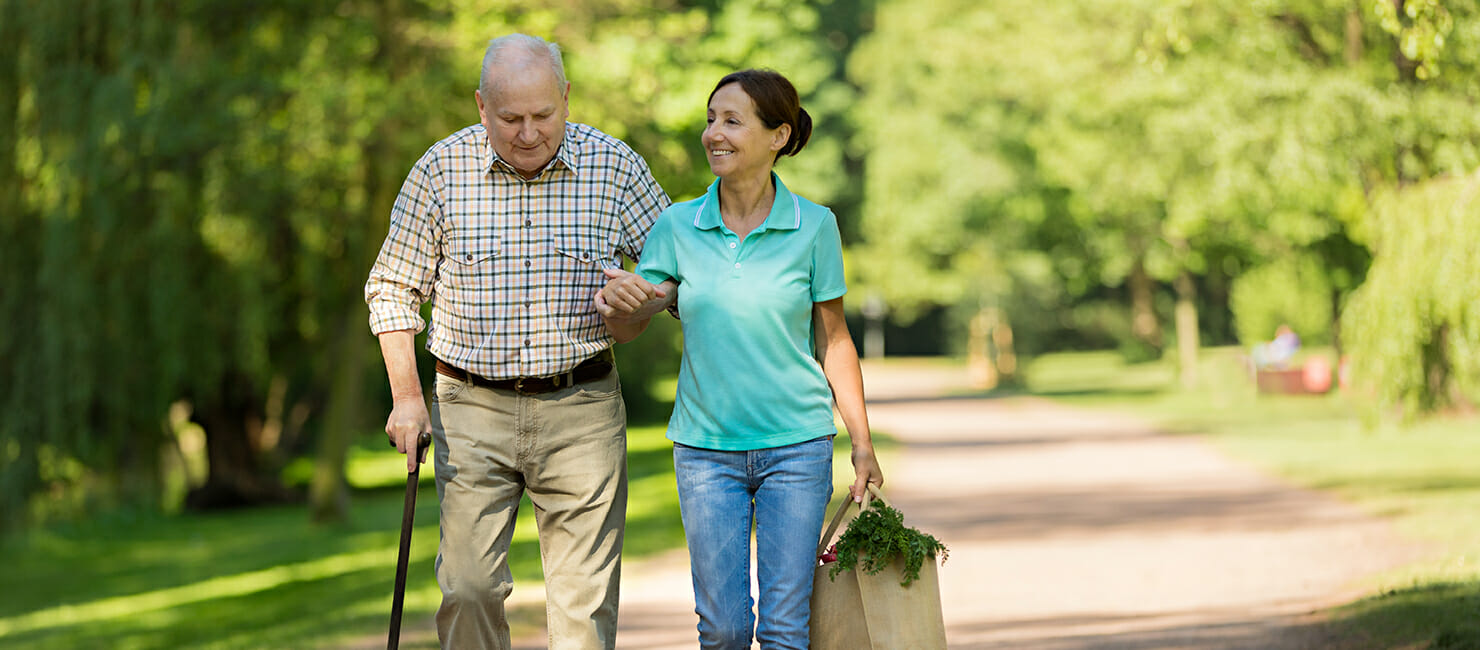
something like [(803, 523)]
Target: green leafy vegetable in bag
[(879, 536)]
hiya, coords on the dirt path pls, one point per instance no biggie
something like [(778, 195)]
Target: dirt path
[(1072, 529)]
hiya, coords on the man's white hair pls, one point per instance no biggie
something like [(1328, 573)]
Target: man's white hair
[(502, 47)]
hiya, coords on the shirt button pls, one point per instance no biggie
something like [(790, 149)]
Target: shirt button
[(732, 244), (468, 257), (526, 264), (737, 265), (526, 343), (527, 222), (585, 257)]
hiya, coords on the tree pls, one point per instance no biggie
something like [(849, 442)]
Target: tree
[(1415, 327)]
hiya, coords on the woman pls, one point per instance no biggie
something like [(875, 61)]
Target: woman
[(766, 353)]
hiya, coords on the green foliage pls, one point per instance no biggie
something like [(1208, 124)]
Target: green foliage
[(649, 361), (193, 193), (1173, 138), (877, 537), (1292, 291), (1414, 326)]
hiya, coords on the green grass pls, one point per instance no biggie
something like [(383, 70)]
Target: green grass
[(1424, 477), (269, 578)]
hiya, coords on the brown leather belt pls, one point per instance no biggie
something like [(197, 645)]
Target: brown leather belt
[(591, 369)]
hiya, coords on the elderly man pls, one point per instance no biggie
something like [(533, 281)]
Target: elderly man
[(508, 225)]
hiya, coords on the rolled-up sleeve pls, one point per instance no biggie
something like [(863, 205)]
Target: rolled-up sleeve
[(642, 201), (404, 271)]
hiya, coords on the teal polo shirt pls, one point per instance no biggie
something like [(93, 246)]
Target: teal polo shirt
[(749, 378)]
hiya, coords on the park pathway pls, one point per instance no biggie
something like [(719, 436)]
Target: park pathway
[(1072, 529)]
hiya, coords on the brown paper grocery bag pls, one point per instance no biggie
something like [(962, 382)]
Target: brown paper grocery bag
[(856, 611)]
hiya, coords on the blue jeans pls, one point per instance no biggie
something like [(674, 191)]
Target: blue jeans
[(784, 491)]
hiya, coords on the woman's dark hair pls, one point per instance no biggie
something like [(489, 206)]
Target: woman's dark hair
[(776, 103)]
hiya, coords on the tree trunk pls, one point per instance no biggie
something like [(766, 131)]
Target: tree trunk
[(328, 494), (1006, 358), (1187, 334), (1336, 321), (981, 373), (1353, 36), (1407, 68), (1144, 325), (874, 311), (234, 474)]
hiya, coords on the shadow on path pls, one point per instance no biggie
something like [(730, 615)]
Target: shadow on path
[(1074, 529)]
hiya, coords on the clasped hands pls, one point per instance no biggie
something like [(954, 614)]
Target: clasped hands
[(628, 297)]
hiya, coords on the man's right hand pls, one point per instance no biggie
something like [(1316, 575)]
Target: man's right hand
[(408, 420)]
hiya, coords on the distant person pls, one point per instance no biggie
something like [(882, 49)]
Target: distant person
[(506, 225), (1277, 353), (766, 352)]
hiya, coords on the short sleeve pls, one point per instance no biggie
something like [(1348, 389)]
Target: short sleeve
[(827, 261), (659, 260)]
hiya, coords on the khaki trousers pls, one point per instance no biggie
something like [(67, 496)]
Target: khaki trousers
[(567, 449)]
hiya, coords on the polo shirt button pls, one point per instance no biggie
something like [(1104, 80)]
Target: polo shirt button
[(732, 244)]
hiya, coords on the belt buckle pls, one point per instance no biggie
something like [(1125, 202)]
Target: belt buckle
[(519, 385)]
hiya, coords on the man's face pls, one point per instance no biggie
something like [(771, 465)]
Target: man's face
[(525, 116)]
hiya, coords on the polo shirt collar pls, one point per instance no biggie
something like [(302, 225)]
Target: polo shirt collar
[(565, 155), (786, 209)]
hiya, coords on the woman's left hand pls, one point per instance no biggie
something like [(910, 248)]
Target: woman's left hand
[(865, 470), (625, 293)]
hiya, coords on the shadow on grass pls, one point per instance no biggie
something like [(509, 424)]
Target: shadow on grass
[(1437, 616)]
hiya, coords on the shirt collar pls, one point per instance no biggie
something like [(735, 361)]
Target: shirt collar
[(565, 155), (786, 210)]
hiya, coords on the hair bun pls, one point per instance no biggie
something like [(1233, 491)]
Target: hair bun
[(802, 134)]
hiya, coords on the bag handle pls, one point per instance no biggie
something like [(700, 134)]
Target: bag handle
[(873, 493)]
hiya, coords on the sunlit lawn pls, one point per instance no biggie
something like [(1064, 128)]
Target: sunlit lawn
[(1425, 477), (268, 578)]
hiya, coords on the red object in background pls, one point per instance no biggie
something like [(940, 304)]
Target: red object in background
[(1316, 375)]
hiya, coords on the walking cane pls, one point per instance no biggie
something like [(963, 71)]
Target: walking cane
[(422, 442)]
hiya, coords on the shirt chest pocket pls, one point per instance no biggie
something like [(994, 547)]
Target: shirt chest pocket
[(472, 257), (586, 251)]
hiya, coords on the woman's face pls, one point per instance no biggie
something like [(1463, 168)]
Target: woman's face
[(736, 142)]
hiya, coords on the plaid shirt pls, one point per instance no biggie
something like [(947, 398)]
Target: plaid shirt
[(511, 265)]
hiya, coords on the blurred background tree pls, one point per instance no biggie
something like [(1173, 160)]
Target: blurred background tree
[(192, 191)]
